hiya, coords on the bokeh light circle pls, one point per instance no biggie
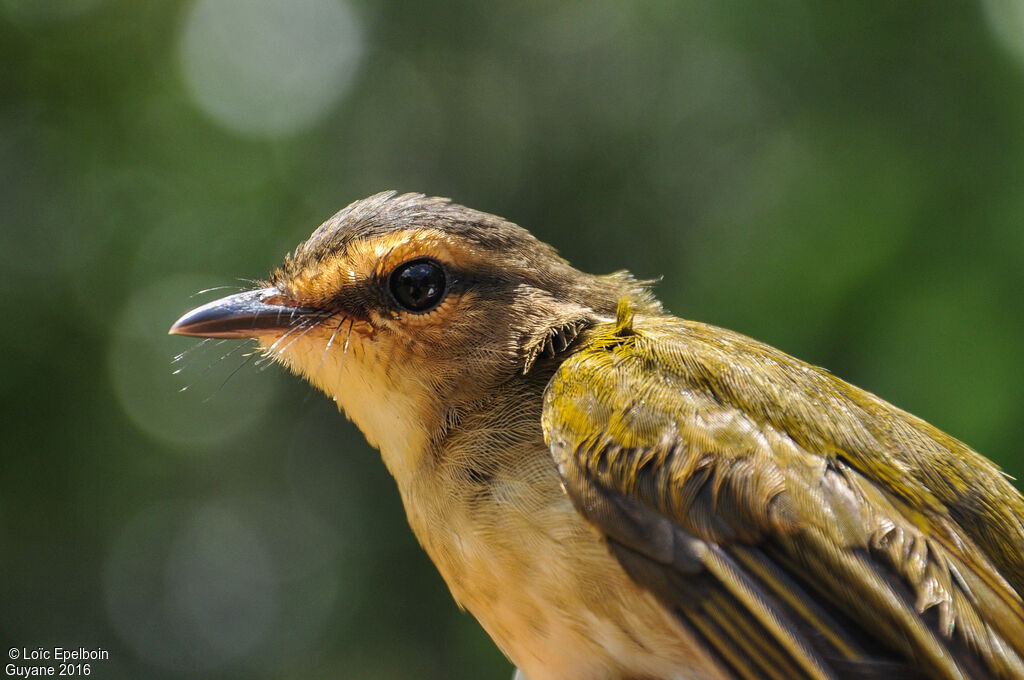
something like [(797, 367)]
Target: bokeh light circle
[(266, 68), (189, 587), (1006, 19), (212, 398), (232, 582)]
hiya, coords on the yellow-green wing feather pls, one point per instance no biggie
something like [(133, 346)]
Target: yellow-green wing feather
[(800, 526)]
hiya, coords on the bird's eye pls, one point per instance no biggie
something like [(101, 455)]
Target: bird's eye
[(419, 285)]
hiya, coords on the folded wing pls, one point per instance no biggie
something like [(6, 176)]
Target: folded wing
[(799, 526)]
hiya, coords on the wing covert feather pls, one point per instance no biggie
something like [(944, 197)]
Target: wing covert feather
[(792, 521)]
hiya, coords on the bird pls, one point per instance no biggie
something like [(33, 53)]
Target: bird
[(616, 492)]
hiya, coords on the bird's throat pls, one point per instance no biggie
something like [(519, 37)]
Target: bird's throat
[(358, 378)]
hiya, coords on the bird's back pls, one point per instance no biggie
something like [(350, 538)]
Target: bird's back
[(792, 519)]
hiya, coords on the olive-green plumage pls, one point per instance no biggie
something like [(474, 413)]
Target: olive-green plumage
[(618, 493), (777, 508)]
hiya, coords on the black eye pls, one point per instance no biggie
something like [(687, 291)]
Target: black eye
[(418, 285)]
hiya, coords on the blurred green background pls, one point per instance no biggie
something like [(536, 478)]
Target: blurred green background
[(843, 180)]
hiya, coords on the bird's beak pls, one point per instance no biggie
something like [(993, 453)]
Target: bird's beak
[(250, 314)]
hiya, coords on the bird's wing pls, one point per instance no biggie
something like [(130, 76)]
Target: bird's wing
[(778, 513)]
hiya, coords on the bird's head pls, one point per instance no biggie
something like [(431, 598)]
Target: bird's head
[(402, 308)]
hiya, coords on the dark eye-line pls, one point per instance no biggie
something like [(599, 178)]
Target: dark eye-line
[(418, 285)]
